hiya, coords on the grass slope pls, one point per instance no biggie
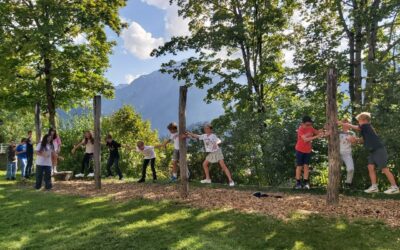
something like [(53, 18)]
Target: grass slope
[(44, 220)]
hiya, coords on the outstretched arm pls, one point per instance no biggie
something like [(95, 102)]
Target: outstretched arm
[(192, 135), (76, 146), (349, 125)]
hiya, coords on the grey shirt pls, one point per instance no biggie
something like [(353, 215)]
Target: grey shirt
[(371, 140)]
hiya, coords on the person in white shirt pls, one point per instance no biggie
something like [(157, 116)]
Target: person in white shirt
[(56, 140), (174, 138), (45, 152), (149, 157), (88, 142), (211, 144), (345, 137)]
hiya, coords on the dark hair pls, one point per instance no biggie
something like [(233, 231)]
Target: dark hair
[(91, 137), (307, 119), (109, 136), (140, 144), (44, 143), (55, 133), (172, 126), (30, 131), (23, 140)]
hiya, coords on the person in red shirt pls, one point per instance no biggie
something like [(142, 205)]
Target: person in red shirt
[(305, 135)]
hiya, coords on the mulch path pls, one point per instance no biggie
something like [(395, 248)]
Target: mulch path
[(222, 198)]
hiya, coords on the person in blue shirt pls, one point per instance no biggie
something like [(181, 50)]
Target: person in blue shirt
[(22, 157)]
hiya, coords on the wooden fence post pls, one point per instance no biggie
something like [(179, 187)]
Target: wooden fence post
[(38, 123), (184, 189), (97, 140), (333, 141)]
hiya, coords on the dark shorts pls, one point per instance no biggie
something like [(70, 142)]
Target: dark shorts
[(175, 155), (379, 158), (302, 158)]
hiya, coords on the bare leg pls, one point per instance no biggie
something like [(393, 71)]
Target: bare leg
[(372, 173), (226, 170), (206, 171), (389, 176), (306, 172), (298, 172)]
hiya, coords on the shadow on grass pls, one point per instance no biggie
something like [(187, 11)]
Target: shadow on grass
[(38, 220)]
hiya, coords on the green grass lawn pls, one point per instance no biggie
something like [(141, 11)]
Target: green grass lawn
[(44, 220)]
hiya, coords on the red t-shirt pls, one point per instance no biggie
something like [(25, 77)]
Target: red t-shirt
[(301, 145)]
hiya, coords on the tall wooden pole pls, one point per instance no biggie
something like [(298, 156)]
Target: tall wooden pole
[(38, 123), (184, 187), (97, 139), (333, 141)]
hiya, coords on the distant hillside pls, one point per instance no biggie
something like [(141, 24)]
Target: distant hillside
[(155, 97)]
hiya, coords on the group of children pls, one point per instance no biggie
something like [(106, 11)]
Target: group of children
[(377, 159), (211, 143)]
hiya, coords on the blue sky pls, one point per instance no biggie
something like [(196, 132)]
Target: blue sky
[(151, 23)]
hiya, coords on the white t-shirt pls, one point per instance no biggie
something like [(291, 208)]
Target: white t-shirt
[(89, 147), (210, 142), (175, 138), (45, 159), (148, 152), (345, 145)]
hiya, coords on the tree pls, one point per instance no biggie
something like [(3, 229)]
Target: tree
[(43, 62)]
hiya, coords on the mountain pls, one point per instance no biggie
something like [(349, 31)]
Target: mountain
[(155, 96)]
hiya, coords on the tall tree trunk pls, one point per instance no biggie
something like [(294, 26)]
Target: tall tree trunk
[(184, 186), (51, 106), (97, 141), (351, 73), (358, 71)]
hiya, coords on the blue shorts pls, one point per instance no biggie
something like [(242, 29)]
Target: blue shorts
[(302, 158)]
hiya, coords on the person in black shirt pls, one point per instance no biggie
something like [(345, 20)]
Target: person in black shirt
[(113, 158), (29, 155), (378, 156)]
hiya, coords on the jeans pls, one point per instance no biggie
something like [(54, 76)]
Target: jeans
[(28, 170), (22, 162), (11, 170), (46, 171), (112, 160), (86, 163), (153, 169)]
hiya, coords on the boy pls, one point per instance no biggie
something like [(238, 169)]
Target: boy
[(12, 162), (345, 137), (149, 157), (305, 135), (378, 156), (113, 158), (22, 157), (29, 155), (174, 138)]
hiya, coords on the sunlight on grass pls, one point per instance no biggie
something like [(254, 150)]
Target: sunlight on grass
[(148, 208), (216, 225), (189, 243), (299, 245), (270, 236), (340, 225), (18, 244), (42, 213)]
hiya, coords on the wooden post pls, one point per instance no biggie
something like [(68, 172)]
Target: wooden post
[(38, 123), (333, 141), (97, 139), (184, 189)]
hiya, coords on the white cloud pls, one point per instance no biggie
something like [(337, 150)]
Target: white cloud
[(139, 42), (175, 25), (129, 78), (80, 39)]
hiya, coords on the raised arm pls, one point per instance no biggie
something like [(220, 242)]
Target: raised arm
[(76, 146), (192, 135)]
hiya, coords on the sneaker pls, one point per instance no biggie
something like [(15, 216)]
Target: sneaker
[(298, 186), (90, 175), (79, 175), (173, 179), (307, 186), (231, 184), (372, 189), (206, 181), (392, 190), (141, 181)]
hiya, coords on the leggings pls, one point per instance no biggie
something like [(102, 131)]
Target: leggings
[(86, 163), (112, 160), (153, 169)]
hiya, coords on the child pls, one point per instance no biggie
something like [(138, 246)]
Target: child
[(305, 135), (12, 161), (211, 142), (44, 152), (56, 141), (29, 155), (22, 158), (174, 138), (113, 158), (378, 156), (345, 137), (149, 157), (88, 141)]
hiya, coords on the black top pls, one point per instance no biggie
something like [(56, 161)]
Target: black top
[(371, 140), (113, 147), (29, 147), (11, 154)]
